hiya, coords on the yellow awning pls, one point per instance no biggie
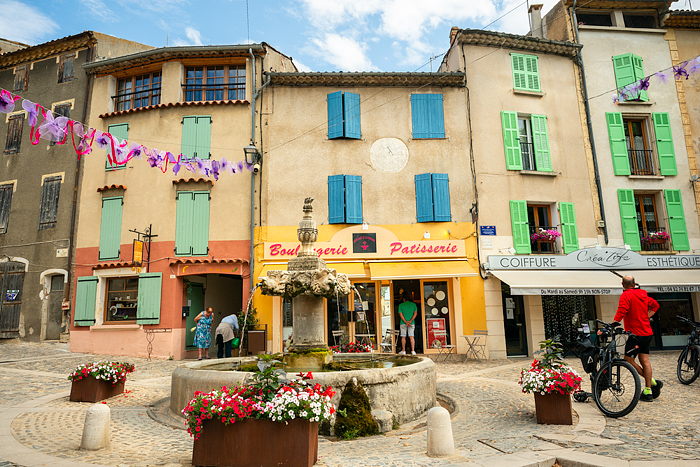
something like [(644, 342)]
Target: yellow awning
[(353, 269), (421, 270)]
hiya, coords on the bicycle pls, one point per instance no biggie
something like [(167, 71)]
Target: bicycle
[(615, 384), (689, 359)]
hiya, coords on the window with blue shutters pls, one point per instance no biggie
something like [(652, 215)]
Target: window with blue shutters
[(427, 116), (345, 199), (192, 223), (344, 115), (433, 198)]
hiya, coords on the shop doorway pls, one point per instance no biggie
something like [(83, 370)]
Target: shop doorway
[(195, 301), (514, 324), (413, 289)]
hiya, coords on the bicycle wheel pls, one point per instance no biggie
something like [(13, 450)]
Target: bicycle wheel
[(616, 389), (689, 364)]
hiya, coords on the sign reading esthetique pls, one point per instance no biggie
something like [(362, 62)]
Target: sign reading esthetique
[(384, 249)]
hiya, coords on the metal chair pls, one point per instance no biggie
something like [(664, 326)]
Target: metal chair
[(476, 344), (445, 350), (338, 336), (390, 339)]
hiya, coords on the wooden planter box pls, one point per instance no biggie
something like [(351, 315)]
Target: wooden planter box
[(90, 389), (553, 409), (257, 443)]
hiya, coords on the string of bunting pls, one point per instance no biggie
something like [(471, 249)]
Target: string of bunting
[(58, 129), (680, 71)]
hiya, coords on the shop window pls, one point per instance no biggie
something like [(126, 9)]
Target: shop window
[(594, 19), (433, 198), (66, 67), (121, 132), (526, 72), (196, 136), (629, 68), (48, 209), (563, 314), (5, 204), (21, 78), (137, 91), (674, 333), (427, 116), (214, 83), (344, 115), (110, 228), (192, 223), (365, 307), (15, 123), (122, 298), (345, 199), (526, 142), (436, 310)]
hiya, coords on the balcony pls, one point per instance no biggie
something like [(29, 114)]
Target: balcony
[(641, 161), (528, 153), (654, 239), (544, 244)]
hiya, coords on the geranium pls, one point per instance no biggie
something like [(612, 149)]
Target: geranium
[(549, 375), (656, 236), (352, 347), (545, 234), (114, 372)]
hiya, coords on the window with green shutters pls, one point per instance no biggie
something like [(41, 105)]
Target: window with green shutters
[(618, 143), (345, 199), (121, 132), (427, 116), (85, 300), (110, 228), (526, 142), (526, 72), (567, 220), (628, 69), (676, 220), (148, 303), (192, 223), (664, 144), (628, 218), (196, 136), (521, 226)]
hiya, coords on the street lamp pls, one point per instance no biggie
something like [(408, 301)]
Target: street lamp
[(252, 157)]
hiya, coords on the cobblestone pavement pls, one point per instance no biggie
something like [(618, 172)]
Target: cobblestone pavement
[(493, 418)]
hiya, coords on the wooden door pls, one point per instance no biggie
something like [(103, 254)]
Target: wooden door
[(11, 283)]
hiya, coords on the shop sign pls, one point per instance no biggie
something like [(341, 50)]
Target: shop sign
[(208, 268), (138, 253), (487, 229), (594, 258), (364, 243), (384, 249)]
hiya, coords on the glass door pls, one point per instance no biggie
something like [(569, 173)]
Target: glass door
[(365, 307), (514, 324), (436, 306)]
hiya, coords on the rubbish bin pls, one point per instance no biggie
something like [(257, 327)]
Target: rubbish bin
[(257, 341)]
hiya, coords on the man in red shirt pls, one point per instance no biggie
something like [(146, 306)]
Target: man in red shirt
[(635, 308)]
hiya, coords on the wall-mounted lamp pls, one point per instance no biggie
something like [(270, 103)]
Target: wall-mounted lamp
[(426, 235), (365, 226), (693, 179), (252, 157)]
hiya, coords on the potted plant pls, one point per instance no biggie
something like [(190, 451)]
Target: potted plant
[(552, 382), (545, 236), (237, 426), (656, 238), (96, 381)]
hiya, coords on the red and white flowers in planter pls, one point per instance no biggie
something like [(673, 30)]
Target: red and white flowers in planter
[(113, 372), (550, 375), (352, 347)]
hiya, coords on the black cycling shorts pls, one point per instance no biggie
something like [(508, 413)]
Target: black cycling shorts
[(637, 344)]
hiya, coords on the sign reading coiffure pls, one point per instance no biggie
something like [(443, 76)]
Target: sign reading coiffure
[(365, 245)]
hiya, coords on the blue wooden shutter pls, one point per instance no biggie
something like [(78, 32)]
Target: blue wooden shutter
[(336, 199), (351, 111), (111, 228), (184, 223), (511, 141), (353, 199), (148, 303), (540, 138), (436, 118), (420, 116), (335, 115), (203, 137), (189, 136), (424, 198), (567, 218), (121, 132), (628, 217), (676, 220), (664, 144), (639, 74), (85, 298), (200, 223), (521, 226), (618, 143), (441, 197)]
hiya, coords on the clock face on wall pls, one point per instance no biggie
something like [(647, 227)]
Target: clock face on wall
[(389, 155)]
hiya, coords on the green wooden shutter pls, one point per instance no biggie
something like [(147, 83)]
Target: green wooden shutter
[(441, 197), (532, 73), (353, 199), (351, 111), (335, 115), (540, 138), (424, 197), (521, 226), (676, 220), (189, 136), (184, 223), (111, 228), (624, 71), (121, 132), (526, 73), (519, 76), (200, 223), (618, 143), (148, 303), (336, 199), (567, 218), (203, 137), (511, 141), (85, 298), (628, 216), (420, 116), (639, 74), (664, 144)]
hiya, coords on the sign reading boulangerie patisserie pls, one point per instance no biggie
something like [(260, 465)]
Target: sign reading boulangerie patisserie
[(404, 249)]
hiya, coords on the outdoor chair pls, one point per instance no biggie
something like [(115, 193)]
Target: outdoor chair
[(445, 350), (476, 344), (338, 336), (390, 339)]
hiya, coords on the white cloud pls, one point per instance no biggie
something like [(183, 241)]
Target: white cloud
[(99, 9), (194, 38), (25, 23), (343, 52)]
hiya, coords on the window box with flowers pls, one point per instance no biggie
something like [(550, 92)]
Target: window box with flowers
[(238, 426), (96, 381), (656, 238), (545, 236), (552, 382)]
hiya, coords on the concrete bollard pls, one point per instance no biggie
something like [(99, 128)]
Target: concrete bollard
[(440, 440), (96, 429)]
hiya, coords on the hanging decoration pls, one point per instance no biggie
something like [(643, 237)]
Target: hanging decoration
[(682, 70), (59, 129)]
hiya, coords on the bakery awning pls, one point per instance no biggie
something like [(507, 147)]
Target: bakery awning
[(354, 269), (537, 282), (665, 280), (420, 269)]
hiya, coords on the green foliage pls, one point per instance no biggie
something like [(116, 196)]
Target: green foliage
[(268, 378), (354, 415), (395, 425), (552, 353), (247, 324)]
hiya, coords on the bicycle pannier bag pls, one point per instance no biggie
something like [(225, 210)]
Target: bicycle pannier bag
[(588, 354)]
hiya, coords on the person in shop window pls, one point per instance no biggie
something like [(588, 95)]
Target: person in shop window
[(407, 313)]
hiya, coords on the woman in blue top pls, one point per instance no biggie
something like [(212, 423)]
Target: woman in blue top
[(202, 336)]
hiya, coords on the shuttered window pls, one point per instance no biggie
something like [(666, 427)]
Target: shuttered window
[(427, 116), (618, 143), (15, 123), (676, 220), (344, 115), (148, 304), (49, 202), (526, 142), (526, 72), (192, 223), (628, 69), (433, 197), (567, 218), (111, 228), (61, 110), (121, 132), (345, 199), (21, 78), (196, 136), (664, 144), (628, 217), (521, 226), (5, 204), (85, 297), (511, 140), (66, 66)]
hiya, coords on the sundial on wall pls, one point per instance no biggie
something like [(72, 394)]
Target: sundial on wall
[(389, 155)]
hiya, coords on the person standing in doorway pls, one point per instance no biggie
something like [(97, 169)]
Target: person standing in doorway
[(202, 335), (635, 308), (407, 312)]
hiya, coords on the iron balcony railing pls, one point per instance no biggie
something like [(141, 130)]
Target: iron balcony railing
[(654, 239), (543, 246), (641, 161), (528, 151)]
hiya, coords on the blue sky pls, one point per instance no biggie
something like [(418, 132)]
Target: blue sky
[(321, 35)]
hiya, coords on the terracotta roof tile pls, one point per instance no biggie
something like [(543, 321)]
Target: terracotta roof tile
[(175, 261), (112, 187), (193, 179), (171, 104), (515, 41), (453, 79), (113, 264)]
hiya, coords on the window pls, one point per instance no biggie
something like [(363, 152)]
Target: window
[(15, 123), (111, 228), (526, 74), (61, 110), (526, 142), (57, 283), (628, 69), (122, 296), (192, 223), (531, 218), (344, 115), (641, 220), (427, 116), (196, 137), (49, 202), (594, 19), (345, 199), (121, 132), (5, 204), (65, 68), (137, 91), (539, 218), (639, 21), (433, 198), (215, 83), (21, 78)]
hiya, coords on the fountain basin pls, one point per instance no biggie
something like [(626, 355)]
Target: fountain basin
[(407, 391)]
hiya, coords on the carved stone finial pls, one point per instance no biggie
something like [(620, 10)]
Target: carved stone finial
[(307, 205)]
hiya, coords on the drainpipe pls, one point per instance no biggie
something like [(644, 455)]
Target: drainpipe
[(579, 61)]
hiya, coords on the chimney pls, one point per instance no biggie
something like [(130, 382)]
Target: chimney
[(453, 33), (536, 26)]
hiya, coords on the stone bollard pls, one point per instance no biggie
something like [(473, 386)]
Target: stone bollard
[(440, 440), (96, 428)]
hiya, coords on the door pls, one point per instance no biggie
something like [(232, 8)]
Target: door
[(413, 289), (514, 324), (11, 283), (195, 300), (365, 307), (55, 312)]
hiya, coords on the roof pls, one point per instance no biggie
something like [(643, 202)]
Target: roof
[(621, 4), (515, 41), (366, 79), (172, 104), (47, 49), (682, 19)]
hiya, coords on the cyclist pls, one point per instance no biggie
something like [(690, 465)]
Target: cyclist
[(635, 308)]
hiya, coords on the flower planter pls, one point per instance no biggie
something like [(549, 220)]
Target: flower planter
[(257, 443), (553, 409), (91, 389)]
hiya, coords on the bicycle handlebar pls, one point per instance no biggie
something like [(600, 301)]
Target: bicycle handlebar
[(688, 321), (614, 327)]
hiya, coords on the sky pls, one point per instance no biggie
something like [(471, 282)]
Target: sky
[(320, 35)]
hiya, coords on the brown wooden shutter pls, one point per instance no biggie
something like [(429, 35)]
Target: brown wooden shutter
[(14, 133)]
